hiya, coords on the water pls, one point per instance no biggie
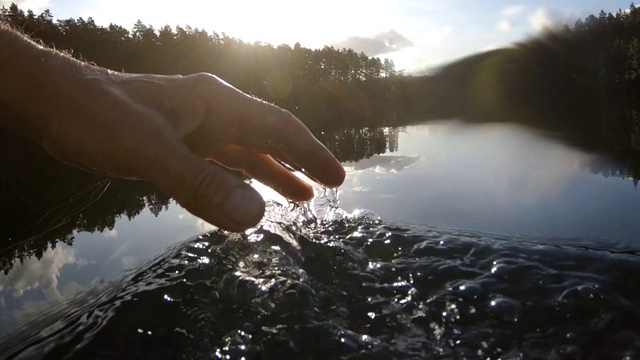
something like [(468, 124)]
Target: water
[(495, 178), (444, 242)]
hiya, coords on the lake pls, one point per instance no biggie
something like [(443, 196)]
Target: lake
[(445, 241)]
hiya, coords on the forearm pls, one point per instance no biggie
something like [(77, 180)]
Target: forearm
[(31, 78)]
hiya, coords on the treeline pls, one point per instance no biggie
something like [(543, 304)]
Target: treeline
[(579, 84), (614, 44), (326, 87)]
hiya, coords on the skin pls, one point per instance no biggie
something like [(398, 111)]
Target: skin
[(161, 129)]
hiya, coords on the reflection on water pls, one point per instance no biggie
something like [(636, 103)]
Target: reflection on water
[(351, 288), (495, 178), (388, 163), (358, 144), (42, 273), (76, 273)]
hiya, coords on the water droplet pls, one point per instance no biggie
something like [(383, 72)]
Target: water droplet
[(505, 309)]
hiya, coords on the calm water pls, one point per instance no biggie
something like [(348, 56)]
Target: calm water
[(447, 242)]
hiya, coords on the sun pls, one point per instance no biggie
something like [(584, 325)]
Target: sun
[(275, 22), (311, 23), (265, 21)]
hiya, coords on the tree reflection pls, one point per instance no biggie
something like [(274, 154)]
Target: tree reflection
[(358, 144), (45, 202), (626, 169)]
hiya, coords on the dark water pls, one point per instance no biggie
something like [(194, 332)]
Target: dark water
[(476, 243)]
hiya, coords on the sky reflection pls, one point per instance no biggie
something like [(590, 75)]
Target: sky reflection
[(486, 178), (94, 258), (492, 178)]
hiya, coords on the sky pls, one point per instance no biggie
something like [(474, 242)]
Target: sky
[(415, 34)]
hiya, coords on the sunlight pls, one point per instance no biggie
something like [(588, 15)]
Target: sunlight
[(313, 24), (286, 21), (263, 21)]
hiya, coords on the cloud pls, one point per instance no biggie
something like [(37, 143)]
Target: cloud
[(35, 5), (505, 25), (382, 163), (543, 19), (120, 252), (113, 233), (204, 226), (514, 10), (382, 43), (34, 273), (129, 262), (360, 189), (508, 13)]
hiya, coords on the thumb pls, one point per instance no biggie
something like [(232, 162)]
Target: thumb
[(209, 192)]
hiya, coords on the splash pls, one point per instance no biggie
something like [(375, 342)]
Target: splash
[(326, 205), (324, 209)]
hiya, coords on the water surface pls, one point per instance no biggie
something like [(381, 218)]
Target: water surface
[(448, 242), (496, 178)]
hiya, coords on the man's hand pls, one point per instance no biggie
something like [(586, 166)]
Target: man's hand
[(161, 129)]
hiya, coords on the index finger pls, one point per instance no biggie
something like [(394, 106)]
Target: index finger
[(267, 128), (292, 142), (236, 117)]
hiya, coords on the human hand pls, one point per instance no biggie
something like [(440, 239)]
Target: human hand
[(162, 128)]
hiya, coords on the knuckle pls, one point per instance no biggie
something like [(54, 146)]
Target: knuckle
[(203, 81), (201, 76)]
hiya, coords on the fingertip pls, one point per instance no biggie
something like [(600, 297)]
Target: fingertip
[(339, 174), (334, 174), (214, 195), (304, 193), (243, 208)]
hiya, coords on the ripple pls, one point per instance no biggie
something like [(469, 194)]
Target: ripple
[(505, 309), (352, 287)]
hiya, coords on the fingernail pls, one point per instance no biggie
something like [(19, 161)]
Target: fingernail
[(244, 207)]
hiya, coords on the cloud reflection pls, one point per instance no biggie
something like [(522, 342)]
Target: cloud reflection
[(492, 177), (382, 163), (44, 273), (113, 233), (204, 226)]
